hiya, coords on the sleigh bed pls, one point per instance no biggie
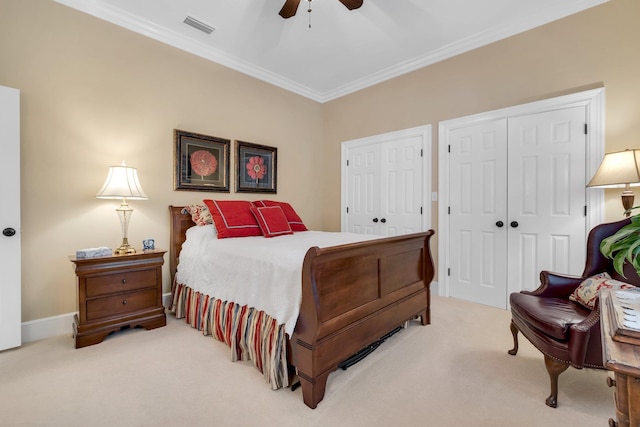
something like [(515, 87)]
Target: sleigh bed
[(352, 295)]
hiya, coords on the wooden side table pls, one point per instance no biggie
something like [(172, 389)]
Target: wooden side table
[(118, 291), (624, 360)]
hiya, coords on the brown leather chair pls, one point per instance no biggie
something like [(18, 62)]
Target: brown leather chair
[(567, 333)]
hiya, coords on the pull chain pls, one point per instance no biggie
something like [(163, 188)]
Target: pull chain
[(309, 10)]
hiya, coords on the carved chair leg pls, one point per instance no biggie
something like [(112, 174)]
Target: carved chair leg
[(555, 368), (514, 332)]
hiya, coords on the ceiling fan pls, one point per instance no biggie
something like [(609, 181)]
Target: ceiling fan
[(291, 6)]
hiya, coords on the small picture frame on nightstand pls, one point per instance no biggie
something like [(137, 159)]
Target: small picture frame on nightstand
[(148, 245)]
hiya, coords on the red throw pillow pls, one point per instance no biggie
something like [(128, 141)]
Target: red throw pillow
[(292, 217), (233, 218), (272, 221)]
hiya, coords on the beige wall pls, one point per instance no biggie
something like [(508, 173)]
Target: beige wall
[(94, 94)]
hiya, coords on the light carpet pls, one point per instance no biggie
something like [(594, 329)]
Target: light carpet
[(454, 372)]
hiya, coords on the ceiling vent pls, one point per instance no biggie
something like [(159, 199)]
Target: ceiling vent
[(198, 25)]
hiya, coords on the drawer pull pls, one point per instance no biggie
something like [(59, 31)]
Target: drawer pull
[(124, 281), (611, 382), (124, 302)]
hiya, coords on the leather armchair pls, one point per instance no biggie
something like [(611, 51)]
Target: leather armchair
[(565, 332)]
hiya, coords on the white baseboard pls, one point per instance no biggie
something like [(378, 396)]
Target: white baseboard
[(39, 329), (166, 299), (435, 288), (62, 324)]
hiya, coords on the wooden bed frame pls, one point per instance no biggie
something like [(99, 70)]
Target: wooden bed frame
[(352, 295)]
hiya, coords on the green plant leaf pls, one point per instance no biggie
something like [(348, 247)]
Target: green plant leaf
[(618, 263), (624, 246), (633, 246), (615, 242)]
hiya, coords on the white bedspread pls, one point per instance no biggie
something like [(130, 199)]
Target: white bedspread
[(264, 273)]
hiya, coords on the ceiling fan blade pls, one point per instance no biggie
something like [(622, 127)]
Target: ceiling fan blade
[(289, 9), (351, 4)]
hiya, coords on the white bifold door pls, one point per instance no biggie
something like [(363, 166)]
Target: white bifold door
[(384, 183), (517, 203)]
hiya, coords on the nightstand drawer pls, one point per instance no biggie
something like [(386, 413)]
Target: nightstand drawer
[(121, 304), (120, 282)]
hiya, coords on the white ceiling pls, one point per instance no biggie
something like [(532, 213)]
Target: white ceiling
[(343, 51)]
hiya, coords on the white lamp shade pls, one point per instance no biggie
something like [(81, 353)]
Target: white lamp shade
[(617, 170), (122, 182)]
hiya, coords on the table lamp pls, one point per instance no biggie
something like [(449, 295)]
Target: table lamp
[(619, 170), (122, 183)]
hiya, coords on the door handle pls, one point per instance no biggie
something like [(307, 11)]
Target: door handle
[(375, 219), (514, 224), (383, 220), (9, 232), (499, 224)]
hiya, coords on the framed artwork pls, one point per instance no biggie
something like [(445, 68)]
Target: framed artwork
[(256, 168), (201, 162)]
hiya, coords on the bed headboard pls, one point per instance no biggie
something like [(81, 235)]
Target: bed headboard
[(179, 224)]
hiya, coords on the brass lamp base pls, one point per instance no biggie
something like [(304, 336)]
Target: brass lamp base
[(627, 200), (125, 248)]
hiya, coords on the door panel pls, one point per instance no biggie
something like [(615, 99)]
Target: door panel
[(546, 195), (478, 188), (10, 298), (402, 189), (362, 182)]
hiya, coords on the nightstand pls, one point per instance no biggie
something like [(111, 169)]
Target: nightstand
[(118, 291)]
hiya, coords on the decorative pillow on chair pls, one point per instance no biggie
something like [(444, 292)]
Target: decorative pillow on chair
[(199, 214), (272, 221), (587, 293), (233, 218), (292, 216)]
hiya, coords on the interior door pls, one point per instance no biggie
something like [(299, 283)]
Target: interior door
[(401, 186), (385, 187), (478, 195), (10, 299), (547, 195), (517, 203), (363, 186)]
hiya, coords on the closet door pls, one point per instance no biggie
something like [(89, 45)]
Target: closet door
[(10, 310), (384, 184), (363, 187), (547, 195), (401, 187), (517, 203), (478, 208)]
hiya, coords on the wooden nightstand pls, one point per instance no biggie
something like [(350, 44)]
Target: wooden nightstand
[(118, 291)]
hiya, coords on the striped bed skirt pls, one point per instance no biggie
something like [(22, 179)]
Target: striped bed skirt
[(249, 333)]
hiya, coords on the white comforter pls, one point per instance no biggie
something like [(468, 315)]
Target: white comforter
[(264, 273)]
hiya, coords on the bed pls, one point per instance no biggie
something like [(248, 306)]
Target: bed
[(352, 295)]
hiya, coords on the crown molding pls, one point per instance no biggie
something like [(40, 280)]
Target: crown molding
[(464, 45)]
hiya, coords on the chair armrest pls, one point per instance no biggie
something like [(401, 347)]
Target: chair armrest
[(581, 334), (555, 285)]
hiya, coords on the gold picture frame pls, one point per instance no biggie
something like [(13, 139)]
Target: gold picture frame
[(201, 162)]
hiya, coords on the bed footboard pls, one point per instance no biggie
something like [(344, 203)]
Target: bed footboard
[(351, 296)]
